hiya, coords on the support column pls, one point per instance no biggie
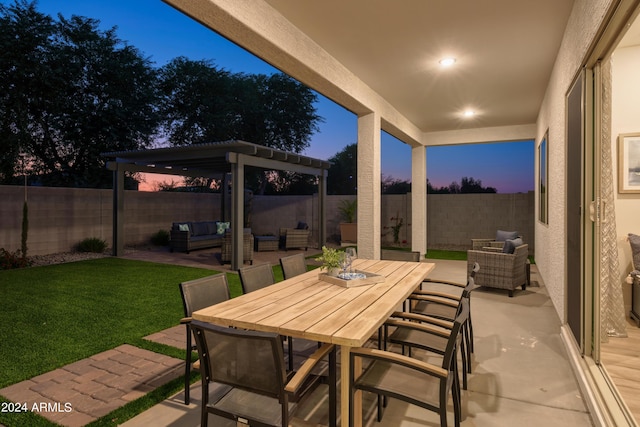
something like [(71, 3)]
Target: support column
[(369, 186), (419, 199), (117, 245), (322, 209), (237, 212)]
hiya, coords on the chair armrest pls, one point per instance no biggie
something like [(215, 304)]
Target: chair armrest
[(186, 320), (491, 249), (416, 326), (423, 318), (437, 294), (301, 375), (479, 243), (434, 299), (418, 365)]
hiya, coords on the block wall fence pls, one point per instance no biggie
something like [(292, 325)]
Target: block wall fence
[(59, 218)]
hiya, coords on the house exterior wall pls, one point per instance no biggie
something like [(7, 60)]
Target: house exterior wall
[(582, 27), (59, 218), (624, 119)]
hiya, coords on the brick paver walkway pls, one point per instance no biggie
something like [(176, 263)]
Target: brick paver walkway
[(84, 391), (173, 337)]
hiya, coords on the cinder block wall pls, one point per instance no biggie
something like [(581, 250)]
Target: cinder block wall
[(454, 219), (59, 218)]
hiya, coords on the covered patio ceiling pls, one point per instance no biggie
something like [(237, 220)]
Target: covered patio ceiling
[(357, 52), (212, 160)]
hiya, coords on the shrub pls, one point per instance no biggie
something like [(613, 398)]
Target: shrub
[(160, 238), (92, 244), (9, 260)]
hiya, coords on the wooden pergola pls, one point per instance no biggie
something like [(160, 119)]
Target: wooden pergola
[(211, 160)]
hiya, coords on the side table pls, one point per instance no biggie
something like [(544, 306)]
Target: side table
[(266, 243)]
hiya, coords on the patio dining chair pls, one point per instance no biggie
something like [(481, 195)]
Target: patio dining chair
[(293, 265), (444, 305), (246, 373), (411, 380), (428, 333), (257, 277), (197, 294)]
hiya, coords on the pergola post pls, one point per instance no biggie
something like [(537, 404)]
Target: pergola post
[(237, 212)]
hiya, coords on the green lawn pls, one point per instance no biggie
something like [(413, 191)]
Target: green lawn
[(58, 314)]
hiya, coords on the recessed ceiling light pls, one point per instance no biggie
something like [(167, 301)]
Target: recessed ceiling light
[(469, 113), (447, 62)]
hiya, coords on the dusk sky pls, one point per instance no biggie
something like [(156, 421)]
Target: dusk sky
[(162, 33)]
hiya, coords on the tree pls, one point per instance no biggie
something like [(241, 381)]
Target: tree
[(467, 185), (470, 185), (24, 37), (391, 185), (196, 102), (201, 103), (70, 92), (343, 174)]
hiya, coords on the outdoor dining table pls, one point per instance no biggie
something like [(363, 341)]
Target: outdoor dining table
[(307, 307)]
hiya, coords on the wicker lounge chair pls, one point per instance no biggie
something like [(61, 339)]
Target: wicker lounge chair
[(500, 270), (294, 238), (247, 246)]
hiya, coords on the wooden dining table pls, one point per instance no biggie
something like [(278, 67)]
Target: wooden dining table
[(307, 307)]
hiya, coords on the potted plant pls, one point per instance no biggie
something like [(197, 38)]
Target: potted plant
[(331, 260), (349, 228)]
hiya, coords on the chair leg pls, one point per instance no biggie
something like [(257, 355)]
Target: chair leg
[(290, 342), (465, 362), (470, 330), (456, 395), (187, 368), (469, 344)]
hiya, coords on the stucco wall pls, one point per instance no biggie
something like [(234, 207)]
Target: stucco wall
[(550, 255), (624, 119), (59, 218)]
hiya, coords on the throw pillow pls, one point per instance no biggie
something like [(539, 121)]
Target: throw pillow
[(183, 227), (510, 245), (502, 236), (634, 240), (223, 226)]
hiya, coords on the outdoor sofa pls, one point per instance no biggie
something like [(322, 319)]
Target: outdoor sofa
[(191, 235)]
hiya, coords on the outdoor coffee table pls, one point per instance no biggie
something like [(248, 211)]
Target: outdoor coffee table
[(307, 307), (266, 243)]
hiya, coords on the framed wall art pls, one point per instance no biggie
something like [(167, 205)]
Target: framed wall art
[(543, 177), (629, 163)]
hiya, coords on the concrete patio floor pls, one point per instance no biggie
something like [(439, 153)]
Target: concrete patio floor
[(521, 374)]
